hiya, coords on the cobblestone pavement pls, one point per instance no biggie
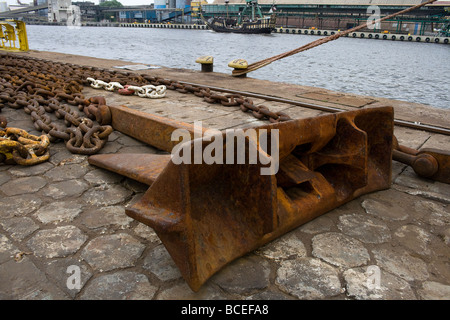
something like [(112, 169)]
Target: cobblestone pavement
[(65, 215)]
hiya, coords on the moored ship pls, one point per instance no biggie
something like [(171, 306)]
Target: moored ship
[(250, 20)]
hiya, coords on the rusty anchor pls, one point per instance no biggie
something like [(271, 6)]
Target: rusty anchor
[(207, 215)]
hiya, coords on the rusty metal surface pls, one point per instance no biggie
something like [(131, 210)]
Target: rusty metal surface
[(148, 128), (427, 162), (207, 215), (144, 168)]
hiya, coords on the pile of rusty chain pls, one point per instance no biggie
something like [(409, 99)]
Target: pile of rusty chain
[(44, 87), (18, 146)]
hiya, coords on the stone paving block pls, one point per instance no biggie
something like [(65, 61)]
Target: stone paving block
[(384, 210), (122, 285), (147, 233), (414, 238), (361, 285), (58, 211), (287, 247), (23, 185), (412, 184), (26, 171), (19, 227), (65, 273), (65, 157), (136, 187), (137, 149), (4, 177), (67, 172), (106, 217), (339, 250), (5, 167), (110, 252), (308, 278), (129, 141), (269, 295), (65, 189), (19, 205), (434, 213), (24, 281), (401, 264), (446, 236), (182, 291), (160, 263), (7, 249), (364, 228), (110, 148), (99, 176), (320, 224), (432, 290), (243, 276), (58, 242), (106, 195)]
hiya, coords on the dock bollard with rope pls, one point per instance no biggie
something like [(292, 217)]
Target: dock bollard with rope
[(254, 66)]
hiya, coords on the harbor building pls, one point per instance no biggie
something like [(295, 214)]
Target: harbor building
[(57, 10)]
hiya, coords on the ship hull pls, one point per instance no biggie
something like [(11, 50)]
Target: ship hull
[(265, 26)]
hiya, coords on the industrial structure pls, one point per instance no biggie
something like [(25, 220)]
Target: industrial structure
[(339, 14)]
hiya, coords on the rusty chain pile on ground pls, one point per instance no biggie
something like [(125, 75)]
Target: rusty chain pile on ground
[(43, 88)]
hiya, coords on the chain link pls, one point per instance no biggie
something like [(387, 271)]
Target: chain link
[(43, 88), (18, 146), (229, 100)]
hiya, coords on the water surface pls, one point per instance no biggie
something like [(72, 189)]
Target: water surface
[(409, 71)]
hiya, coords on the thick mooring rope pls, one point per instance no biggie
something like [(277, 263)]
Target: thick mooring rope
[(265, 62)]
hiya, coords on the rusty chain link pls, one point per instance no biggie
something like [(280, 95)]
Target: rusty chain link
[(43, 88), (260, 112), (18, 146)]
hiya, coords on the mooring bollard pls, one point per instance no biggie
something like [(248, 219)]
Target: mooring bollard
[(239, 64), (207, 63)]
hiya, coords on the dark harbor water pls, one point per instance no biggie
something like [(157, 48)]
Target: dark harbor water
[(408, 71)]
